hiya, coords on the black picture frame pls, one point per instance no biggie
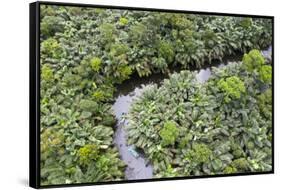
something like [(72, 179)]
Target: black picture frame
[(34, 93)]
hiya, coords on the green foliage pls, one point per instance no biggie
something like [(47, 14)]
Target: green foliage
[(199, 153), (213, 136), (265, 103), (229, 170), (88, 105), (246, 22), (253, 60), (160, 64), (108, 120), (240, 164), (47, 73), (166, 51), (123, 21), (51, 143), (185, 140), (99, 95), (138, 33), (52, 48), (103, 163), (51, 25), (169, 133), (180, 21), (118, 49), (88, 154), (232, 87), (237, 151), (96, 64), (124, 72), (107, 32), (265, 73), (76, 111), (169, 172)]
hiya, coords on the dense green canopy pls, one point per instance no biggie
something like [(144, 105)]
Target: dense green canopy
[(86, 52), (219, 127)]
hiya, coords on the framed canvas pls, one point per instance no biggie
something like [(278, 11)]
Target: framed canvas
[(127, 94)]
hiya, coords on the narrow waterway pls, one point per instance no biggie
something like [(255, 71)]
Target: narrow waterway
[(137, 165)]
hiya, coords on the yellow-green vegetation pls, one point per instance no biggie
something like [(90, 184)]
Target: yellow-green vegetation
[(123, 21), (199, 153), (51, 48), (232, 87), (169, 133), (47, 73), (265, 73), (255, 62), (88, 154), (96, 63)]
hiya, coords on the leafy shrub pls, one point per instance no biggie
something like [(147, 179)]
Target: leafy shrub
[(52, 143), (246, 22), (212, 137), (108, 120), (229, 170), (232, 87), (160, 64), (103, 163), (108, 32), (169, 133), (169, 172), (199, 153), (253, 60), (51, 25), (124, 72), (118, 49), (47, 73), (96, 64), (99, 95), (265, 103), (88, 105), (52, 48), (123, 21), (180, 21), (166, 51), (265, 73), (184, 141), (87, 154), (240, 164), (138, 33)]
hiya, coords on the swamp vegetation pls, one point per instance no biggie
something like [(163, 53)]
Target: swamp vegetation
[(183, 127), (219, 127)]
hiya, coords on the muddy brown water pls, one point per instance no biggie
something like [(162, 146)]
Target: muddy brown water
[(138, 167)]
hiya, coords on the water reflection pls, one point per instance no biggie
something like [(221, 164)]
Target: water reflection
[(138, 167)]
